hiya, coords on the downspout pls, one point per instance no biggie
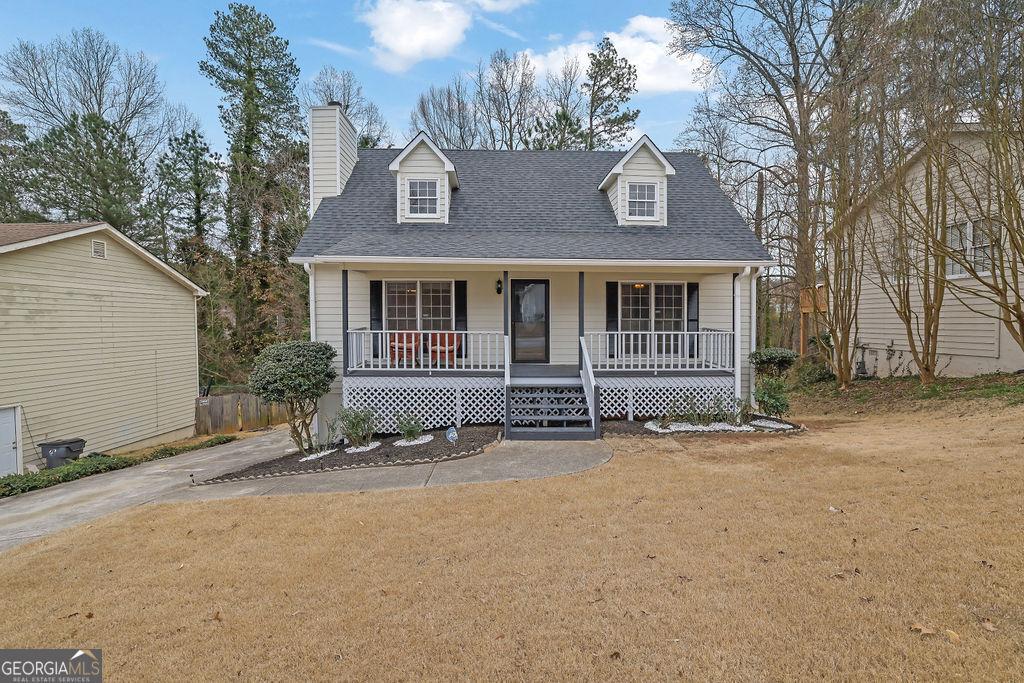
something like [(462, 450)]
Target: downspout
[(754, 275), (737, 363), (312, 300)]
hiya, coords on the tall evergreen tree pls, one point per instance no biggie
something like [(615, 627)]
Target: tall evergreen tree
[(13, 183), (611, 81), (188, 175), (88, 170), (257, 74), (561, 131)]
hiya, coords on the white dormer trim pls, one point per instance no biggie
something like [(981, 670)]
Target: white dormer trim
[(449, 167), (618, 169)]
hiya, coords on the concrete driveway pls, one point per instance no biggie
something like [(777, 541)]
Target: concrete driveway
[(38, 513)]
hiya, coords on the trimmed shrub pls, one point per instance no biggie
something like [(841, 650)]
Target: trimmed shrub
[(409, 426), (773, 361), (94, 463), (357, 426), (297, 374), (771, 396), (812, 373)]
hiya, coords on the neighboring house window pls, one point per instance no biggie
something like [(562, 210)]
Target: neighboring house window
[(652, 307), (423, 198), (418, 305), (974, 245), (643, 201)]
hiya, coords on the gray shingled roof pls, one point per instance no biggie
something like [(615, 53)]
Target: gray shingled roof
[(530, 204)]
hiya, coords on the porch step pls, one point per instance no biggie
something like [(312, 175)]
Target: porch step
[(549, 411)]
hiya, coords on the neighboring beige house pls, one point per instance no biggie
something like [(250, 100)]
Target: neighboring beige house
[(969, 341), (538, 289), (97, 340)]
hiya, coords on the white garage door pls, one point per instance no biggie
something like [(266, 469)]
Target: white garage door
[(8, 441)]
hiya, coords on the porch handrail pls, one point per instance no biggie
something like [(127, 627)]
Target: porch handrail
[(508, 385), (660, 351), (427, 351), (589, 383)]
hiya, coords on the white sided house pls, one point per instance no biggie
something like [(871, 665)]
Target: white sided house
[(971, 338), (542, 290), (97, 341)]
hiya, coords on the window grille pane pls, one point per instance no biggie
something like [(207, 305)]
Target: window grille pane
[(400, 299), (436, 306)]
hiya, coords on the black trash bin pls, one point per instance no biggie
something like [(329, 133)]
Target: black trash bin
[(59, 452)]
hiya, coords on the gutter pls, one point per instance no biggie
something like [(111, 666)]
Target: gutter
[(611, 263)]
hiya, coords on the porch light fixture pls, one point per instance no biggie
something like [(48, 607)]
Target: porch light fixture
[(498, 286)]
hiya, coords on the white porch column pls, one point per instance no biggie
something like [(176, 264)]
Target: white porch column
[(737, 339), (754, 275)]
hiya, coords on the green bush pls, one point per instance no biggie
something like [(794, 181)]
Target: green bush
[(94, 463), (296, 373), (409, 426), (771, 396), (812, 372), (773, 361), (358, 426)]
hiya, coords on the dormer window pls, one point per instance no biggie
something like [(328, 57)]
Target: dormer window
[(643, 201), (422, 198)]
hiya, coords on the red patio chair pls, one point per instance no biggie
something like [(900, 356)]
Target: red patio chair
[(444, 348), (404, 348)]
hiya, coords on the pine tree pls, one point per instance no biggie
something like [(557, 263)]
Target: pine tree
[(561, 131), (611, 81), (187, 176), (13, 185), (257, 74), (88, 170)]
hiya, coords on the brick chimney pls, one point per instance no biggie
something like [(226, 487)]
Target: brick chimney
[(333, 151)]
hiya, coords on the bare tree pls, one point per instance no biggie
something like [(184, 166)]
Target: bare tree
[(987, 241), (448, 114), (85, 73), (332, 85), (562, 90), (507, 100), (771, 57)]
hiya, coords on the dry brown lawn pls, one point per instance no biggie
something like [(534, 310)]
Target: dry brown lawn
[(690, 557)]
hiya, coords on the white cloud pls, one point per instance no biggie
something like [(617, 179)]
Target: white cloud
[(500, 5), (334, 47), (500, 28), (405, 32), (554, 37), (644, 41)]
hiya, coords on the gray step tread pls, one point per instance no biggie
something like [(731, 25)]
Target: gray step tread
[(548, 394), (548, 406), (552, 433), (552, 418)]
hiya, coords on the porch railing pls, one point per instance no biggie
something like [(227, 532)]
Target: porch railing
[(426, 351), (589, 386), (658, 351)]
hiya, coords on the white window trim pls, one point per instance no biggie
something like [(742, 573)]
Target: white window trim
[(408, 199), (419, 303), (657, 201), (651, 283), (968, 248)]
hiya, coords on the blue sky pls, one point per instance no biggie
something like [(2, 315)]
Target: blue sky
[(394, 56)]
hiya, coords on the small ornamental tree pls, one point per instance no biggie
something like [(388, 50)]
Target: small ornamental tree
[(295, 373)]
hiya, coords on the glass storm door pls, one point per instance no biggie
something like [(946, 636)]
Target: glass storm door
[(530, 324)]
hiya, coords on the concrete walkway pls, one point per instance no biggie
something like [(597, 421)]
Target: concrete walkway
[(38, 513)]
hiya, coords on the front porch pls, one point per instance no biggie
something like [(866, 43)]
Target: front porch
[(546, 354)]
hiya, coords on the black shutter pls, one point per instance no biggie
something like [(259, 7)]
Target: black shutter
[(692, 307), (376, 312), (461, 313), (461, 316), (611, 311), (693, 314)]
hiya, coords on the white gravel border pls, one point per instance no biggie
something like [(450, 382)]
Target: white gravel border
[(317, 456), (421, 439), (688, 427), (363, 449)]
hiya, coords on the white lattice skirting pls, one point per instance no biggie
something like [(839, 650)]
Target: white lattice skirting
[(643, 397), (438, 401)]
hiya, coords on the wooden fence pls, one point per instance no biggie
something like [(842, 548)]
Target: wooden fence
[(236, 413)]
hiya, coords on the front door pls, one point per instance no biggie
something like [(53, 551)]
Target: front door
[(8, 441), (530, 323)]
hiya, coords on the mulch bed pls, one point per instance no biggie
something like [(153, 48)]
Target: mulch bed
[(636, 428), (472, 440)]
